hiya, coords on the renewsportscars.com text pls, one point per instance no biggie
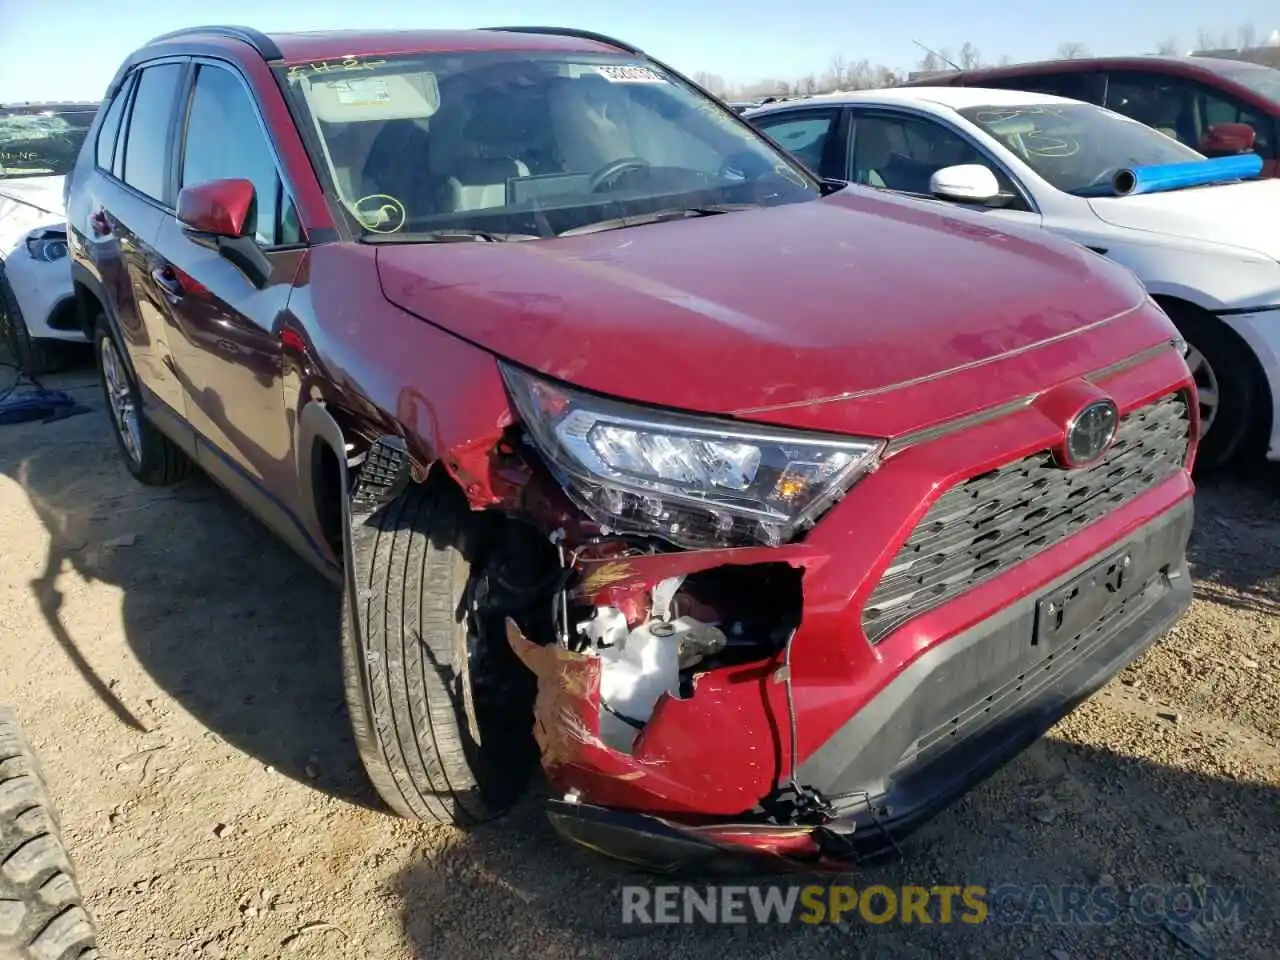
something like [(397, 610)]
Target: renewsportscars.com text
[(940, 904)]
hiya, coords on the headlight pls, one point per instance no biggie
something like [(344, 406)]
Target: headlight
[(692, 480), (47, 247)]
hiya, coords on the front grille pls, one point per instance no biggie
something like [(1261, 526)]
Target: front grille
[(987, 524)]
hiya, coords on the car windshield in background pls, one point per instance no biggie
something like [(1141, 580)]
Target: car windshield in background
[(515, 145), (41, 141), (1078, 147), (1261, 80)]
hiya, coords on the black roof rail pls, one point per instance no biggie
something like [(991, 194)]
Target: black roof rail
[(572, 32), (254, 38)]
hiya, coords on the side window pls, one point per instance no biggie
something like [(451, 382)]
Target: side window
[(146, 146), (1158, 101), (106, 146), (804, 135), (1184, 109), (903, 153), (224, 140)]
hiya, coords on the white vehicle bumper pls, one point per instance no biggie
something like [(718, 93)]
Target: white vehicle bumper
[(1261, 331), (44, 293)]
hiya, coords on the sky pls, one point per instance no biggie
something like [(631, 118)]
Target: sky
[(69, 49)]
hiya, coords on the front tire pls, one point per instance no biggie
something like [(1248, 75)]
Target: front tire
[(42, 914), (151, 457), (434, 747), (32, 357), (1232, 390)]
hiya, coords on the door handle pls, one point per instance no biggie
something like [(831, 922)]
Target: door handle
[(168, 282), (99, 223)]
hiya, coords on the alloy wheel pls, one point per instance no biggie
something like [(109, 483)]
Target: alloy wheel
[(124, 411), (1206, 388)]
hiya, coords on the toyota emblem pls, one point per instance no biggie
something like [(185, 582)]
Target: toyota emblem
[(1089, 433)]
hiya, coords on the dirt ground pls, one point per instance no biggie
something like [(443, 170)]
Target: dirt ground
[(178, 672)]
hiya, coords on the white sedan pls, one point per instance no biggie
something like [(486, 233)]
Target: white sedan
[(39, 144), (1210, 255)]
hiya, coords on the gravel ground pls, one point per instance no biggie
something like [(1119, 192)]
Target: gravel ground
[(177, 670)]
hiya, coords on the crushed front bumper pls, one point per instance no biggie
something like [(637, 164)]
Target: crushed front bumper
[(945, 722)]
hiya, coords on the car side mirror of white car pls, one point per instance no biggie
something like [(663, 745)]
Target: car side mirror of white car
[(965, 182)]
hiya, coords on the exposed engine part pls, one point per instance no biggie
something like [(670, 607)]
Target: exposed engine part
[(663, 594), (607, 628), (562, 614), (633, 675)]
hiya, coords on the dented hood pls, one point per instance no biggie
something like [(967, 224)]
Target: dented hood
[(751, 310)]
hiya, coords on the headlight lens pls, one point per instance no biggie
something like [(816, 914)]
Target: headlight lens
[(692, 480), (47, 247)]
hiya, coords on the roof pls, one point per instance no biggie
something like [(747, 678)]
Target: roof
[(1252, 56), (957, 98), (1196, 64), (330, 45)]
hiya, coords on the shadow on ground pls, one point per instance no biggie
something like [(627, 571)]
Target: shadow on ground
[(239, 631), (1235, 547), (1060, 815)]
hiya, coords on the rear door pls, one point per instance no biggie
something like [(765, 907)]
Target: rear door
[(900, 151), (132, 197), (229, 355)]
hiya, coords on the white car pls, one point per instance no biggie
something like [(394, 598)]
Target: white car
[(1210, 255), (38, 147)]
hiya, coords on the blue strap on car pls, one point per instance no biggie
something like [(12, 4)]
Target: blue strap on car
[(37, 403)]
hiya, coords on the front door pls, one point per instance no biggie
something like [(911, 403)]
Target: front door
[(229, 355), (901, 151)]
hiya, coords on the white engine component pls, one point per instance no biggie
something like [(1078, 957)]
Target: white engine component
[(607, 628), (635, 673)]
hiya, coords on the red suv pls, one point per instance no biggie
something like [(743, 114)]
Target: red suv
[(1218, 107), (772, 513)]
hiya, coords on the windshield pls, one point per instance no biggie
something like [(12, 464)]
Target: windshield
[(42, 141), (1077, 147), (1262, 80), (518, 144)]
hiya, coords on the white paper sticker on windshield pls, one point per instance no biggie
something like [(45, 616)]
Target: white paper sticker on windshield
[(361, 92), (618, 73)]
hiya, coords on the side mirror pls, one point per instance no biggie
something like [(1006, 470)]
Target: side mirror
[(219, 213), (966, 182), (1228, 139), (219, 208)]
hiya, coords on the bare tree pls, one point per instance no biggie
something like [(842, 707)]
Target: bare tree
[(1167, 48), (930, 63), (837, 73), (970, 59), (1248, 36), (1073, 50), (1004, 61)]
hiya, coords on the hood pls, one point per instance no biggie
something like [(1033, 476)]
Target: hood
[(43, 193), (746, 311), (1245, 215)]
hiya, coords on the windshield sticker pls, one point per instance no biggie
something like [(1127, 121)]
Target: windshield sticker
[(616, 73), (345, 64), (380, 213), (361, 91)]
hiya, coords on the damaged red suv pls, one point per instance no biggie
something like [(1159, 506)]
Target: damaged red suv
[(772, 514)]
